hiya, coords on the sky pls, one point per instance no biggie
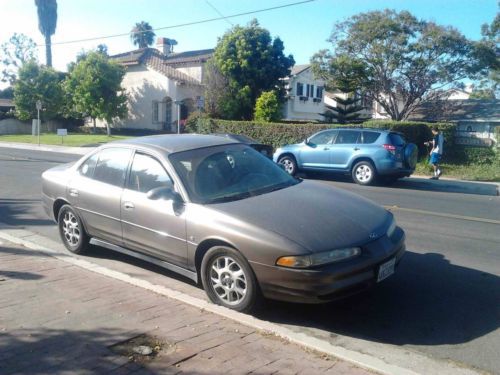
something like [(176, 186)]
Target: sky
[(303, 28)]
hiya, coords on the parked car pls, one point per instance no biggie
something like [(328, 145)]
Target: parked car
[(219, 211), (264, 149), (365, 154)]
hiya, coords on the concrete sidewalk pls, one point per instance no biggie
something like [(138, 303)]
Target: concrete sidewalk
[(56, 317)]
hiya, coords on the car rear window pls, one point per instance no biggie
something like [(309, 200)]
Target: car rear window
[(396, 139), (370, 137)]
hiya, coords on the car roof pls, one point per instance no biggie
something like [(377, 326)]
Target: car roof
[(237, 137), (170, 143)]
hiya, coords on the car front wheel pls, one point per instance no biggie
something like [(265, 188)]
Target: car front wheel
[(289, 163), (71, 230), (228, 279), (364, 173)]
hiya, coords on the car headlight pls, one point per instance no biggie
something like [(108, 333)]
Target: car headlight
[(332, 256), (392, 228)]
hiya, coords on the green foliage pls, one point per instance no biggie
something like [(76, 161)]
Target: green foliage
[(17, 51), (7, 93), (482, 93), (252, 62), (397, 60), (346, 111), (47, 22), (94, 86), (38, 83), (268, 107), (142, 35)]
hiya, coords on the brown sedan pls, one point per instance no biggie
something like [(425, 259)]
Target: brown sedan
[(221, 212)]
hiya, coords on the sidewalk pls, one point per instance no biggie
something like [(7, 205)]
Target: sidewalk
[(56, 317)]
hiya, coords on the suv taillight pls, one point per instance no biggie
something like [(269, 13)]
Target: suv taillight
[(390, 148)]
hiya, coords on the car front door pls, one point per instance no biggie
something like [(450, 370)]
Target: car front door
[(345, 147), (317, 150), (96, 192), (153, 226)]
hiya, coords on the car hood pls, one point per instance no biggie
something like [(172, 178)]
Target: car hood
[(314, 215)]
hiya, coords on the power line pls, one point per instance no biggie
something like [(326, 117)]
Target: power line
[(219, 13), (183, 24)]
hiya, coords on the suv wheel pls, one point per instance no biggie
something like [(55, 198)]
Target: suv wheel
[(228, 279), (71, 230), (289, 164), (364, 173)]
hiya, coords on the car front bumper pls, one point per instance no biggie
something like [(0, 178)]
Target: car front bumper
[(334, 281)]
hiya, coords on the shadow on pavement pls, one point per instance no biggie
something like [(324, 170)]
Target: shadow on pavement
[(19, 212), (417, 183), (4, 275), (427, 302)]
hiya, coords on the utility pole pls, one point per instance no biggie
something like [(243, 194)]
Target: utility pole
[(179, 103)]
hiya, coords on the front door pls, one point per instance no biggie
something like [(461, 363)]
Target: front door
[(347, 146), (316, 153), (155, 227)]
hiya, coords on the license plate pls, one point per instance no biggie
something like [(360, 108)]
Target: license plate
[(386, 270)]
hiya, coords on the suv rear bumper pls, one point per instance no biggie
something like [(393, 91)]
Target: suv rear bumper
[(392, 167)]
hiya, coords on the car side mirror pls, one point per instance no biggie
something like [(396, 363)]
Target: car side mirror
[(164, 192)]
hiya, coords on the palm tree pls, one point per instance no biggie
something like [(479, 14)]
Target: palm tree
[(47, 21), (142, 34)]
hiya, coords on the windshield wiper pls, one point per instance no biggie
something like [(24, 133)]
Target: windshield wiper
[(228, 198)]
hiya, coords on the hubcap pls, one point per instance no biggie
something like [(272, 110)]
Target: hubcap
[(363, 173), (228, 280), (288, 164), (70, 227)]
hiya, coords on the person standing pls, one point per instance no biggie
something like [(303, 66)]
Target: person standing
[(436, 151)]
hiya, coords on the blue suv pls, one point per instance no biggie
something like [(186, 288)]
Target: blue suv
[(366, 154)]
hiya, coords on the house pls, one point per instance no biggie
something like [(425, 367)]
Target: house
[(304, 101), (476, 119), (163, 87), (6, 105)]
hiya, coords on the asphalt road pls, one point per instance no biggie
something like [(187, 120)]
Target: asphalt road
[(444, 300)]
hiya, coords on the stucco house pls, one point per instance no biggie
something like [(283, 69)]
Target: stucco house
[(304, 100), (161, 86)]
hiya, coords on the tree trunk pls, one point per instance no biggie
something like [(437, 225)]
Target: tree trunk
[(95, 128), (48, 50), (108, 129)]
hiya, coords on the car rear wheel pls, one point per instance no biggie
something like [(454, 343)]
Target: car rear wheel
[(364, 173), (289, 163), (71, 230), (228, 279)]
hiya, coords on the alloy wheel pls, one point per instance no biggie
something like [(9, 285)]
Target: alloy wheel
[(363, 173), (71, 229), (228, 280)]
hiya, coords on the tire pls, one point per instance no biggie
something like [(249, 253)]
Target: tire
[(289, 163), (364, 173), (71, 230), (228, 279)]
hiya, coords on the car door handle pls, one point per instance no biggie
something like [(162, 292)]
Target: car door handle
[(326, 149), (73, 192), (356, 148), (128, 206)]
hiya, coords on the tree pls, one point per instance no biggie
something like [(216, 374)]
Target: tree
[(252, 62), (142, 34), (16, 52), (216, 89), (47, 22), (397, 60), (94, 86), (34, 83), (268, 107), (7, 93), (346, 111)]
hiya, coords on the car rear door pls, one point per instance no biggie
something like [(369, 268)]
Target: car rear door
[(347, 145), (155, 227), (96, 192), (316, 153)]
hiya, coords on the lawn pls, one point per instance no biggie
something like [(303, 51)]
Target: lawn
[(69, 140), (472, 172)]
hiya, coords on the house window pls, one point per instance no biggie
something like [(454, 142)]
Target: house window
[(156, 105), (319, 92), (300, 89), (311, 91)]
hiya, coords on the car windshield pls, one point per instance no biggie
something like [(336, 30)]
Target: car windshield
[(227, 173)]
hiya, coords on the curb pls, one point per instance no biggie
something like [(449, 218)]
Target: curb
[(48, 148), (409, 362)]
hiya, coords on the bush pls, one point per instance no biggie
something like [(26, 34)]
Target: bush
[(267, 107), (472, 155)]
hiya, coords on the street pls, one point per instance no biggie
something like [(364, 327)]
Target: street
[(443, 301)]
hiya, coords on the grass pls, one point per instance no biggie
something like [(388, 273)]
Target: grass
[(74, 140), (471, 172)]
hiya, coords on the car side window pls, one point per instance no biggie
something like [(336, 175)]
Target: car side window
[(347, 137), (323, 138), (370, 137), (87, 167), (111, 167), (146, 174)]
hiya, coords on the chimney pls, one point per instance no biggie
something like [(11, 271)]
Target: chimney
[(166, 45)]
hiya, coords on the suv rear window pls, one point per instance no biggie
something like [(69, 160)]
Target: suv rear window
[(396, 139), (370, 137)]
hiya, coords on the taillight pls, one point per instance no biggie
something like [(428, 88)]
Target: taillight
[(390, 148)]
